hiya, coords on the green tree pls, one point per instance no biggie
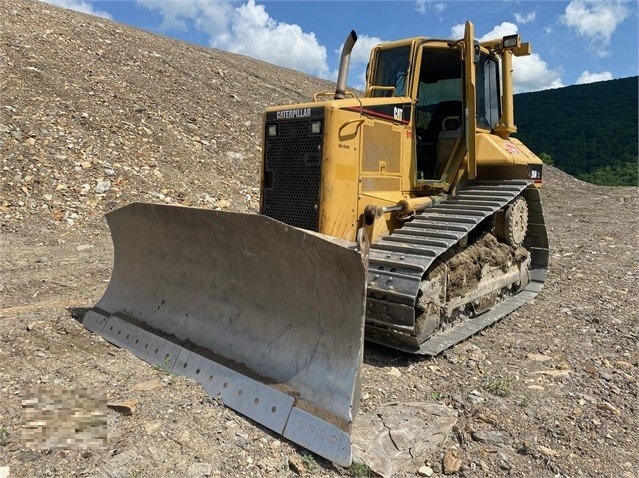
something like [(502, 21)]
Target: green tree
[(546, 158), (589, 131)]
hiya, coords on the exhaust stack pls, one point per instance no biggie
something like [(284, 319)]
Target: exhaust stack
[(340, 90)]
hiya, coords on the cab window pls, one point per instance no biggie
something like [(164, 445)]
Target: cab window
[(391, 69), (487, 84)]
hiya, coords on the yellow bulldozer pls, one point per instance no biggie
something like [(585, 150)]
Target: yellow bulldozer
[(408, 217)]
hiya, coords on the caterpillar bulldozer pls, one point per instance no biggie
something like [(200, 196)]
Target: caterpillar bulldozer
[(408, 217)]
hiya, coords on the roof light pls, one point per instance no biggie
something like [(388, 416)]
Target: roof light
[(511, 41)]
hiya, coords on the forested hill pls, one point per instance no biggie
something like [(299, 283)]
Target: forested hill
[(589, 131)]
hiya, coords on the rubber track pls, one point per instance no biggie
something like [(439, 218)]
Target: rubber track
[(399, 261)]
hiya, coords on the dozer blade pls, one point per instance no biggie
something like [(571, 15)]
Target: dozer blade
[(267, 316)]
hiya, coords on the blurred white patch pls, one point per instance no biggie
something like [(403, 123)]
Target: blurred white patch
[(531, 73), (246, 29), (522, 19), (595, 20)]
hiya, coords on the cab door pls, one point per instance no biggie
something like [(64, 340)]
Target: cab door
[(439, 113)]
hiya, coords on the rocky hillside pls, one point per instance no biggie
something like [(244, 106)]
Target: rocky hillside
[(94, 114)]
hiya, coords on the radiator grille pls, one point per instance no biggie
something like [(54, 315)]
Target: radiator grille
[(292, 174)]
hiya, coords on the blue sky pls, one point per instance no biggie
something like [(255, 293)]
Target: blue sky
[(576, 41)]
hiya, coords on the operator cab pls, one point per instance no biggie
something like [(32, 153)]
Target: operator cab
[(436, 86), (439, 111)]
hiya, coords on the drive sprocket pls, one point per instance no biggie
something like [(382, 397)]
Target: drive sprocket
[(516, 222)]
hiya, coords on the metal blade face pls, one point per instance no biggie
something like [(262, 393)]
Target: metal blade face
[(278, 312)]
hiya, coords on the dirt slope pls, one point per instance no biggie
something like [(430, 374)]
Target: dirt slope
[(86, 100), (94, 114)]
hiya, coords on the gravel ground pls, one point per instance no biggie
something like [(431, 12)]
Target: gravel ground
[(94, 114)]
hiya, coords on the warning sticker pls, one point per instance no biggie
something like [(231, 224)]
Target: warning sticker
[(511, 148)]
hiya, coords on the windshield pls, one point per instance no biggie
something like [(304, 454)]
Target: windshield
[(391, 69)]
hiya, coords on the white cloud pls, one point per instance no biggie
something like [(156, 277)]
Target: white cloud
[(595, 20), (216, 15), (254, 33), (359, 59), (501, 30), (587, 77), (359, 75), (527, 18), (211, 17), (79, 6), (360, 56), (422, 5), (362, 49), (457, 31), (247, 29), (531, 73)]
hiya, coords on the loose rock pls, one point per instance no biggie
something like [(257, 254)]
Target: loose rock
[(394, 372), (425, 471), (103, 186), (451, 462), (547, 451), (490, 437), (200, 470)]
